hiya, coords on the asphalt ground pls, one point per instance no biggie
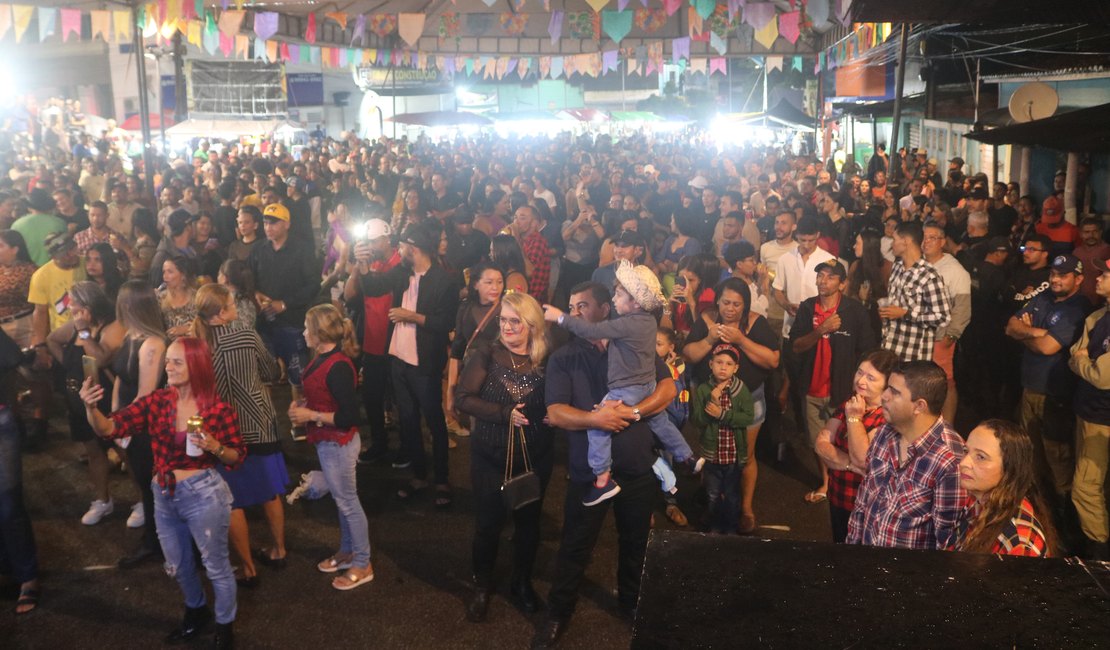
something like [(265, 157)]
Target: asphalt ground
[(421, 559)]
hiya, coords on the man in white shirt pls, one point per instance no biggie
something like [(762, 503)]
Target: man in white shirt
[(771, 252), (957, 285)]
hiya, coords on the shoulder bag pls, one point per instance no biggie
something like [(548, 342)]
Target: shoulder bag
[(524, 488)]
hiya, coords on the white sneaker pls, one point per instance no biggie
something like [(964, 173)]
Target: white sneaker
[(97, 511), (137, 518)]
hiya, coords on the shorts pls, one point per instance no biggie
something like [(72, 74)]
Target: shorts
[(759, 403)]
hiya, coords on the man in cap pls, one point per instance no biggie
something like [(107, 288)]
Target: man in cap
[(829, 334), (179, 227), (1046, 328), (38, 224), (1064, 234), (425, 301), (627, 245), (287, 279), (1090, 361), (374, 253)]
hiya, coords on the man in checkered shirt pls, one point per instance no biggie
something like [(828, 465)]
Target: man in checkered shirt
[(917, 303)]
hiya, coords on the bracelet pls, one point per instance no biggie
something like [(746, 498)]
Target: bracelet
[(850, 420), (219, 451)]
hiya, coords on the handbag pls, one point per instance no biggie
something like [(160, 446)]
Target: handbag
[(481, 325), (524, 488)]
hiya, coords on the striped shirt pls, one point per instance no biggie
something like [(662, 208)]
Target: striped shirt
[(242, 363), (920, 291)]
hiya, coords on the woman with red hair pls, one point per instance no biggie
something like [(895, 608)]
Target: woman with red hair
[(190, 431)]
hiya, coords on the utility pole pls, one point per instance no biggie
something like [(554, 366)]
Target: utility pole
[(144, 98)]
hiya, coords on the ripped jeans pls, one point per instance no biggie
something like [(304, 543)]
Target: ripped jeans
[(198, 511)]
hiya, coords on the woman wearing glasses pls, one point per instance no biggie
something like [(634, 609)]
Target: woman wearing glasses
[(501, 387)]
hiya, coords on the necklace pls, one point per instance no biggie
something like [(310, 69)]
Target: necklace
[(512, 359)]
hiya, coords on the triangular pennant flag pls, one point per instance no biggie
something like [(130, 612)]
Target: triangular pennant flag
[(210, 40), (704, 7), (788, 25), (283, 50), (295, 54), (192, 32), (680, 49), (695, 21), (597, 5), (310, 29), (227, 44), (545, 67), (511, 66), (259, 50), (698, 65), (23, 15), (173, 11), (121, 21), (733, 9), (671, 6), (796, 63), (717, 64), (616, 24), (758, 14), (818, 13), (556, 67), (339, 17), (622, 4), (230, 22), (772, 63), (843, 7), (71, 23), (6, 20), (47, 20), (766, 36), (359, 33), (609, 60), (490, 3), (242, 44), (410, 26), (718, 43), (468, 65), (555, 27), (273, 52), (633, 66), (265, 24)]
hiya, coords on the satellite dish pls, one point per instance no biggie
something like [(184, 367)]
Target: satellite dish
[(1033, 101)]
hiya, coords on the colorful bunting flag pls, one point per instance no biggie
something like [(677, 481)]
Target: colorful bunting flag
[(310, 29), (359, 33), (767, 35), (47, 19), (265, 24), (339, 17), (383, 25), (71, 23), (555, 26), (513, 24), (410, 26), (788, 25), (231, 22), (616, 24), (680, 49)]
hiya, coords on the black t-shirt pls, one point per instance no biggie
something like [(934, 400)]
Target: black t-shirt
[(749, 373), (1025, 285), (576, 375), (1001, 220), (226, 226)]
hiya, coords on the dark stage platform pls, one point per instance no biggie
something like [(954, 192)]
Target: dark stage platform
[(710, 591)]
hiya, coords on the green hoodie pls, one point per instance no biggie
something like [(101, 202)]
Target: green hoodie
[(738, 417)]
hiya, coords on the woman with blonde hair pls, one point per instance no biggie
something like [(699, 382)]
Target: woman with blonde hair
[(332, 409), (242, 364), (501, 387)]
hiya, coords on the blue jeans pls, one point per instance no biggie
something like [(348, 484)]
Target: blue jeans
[(338, 464), (722, 485), (198, 511), (416, 392), (18, 557), (600, 449), (287, 343)]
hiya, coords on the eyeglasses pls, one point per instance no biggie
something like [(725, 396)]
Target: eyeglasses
[(1030, 248), (933, 238), (511, 324)]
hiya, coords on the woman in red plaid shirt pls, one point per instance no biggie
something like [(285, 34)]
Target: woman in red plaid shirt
[(842, 444), (999, 473), (192, 502)]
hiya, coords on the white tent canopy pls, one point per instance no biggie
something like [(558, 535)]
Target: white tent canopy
[(228, 128)]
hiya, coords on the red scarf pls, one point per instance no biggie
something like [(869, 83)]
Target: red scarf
[(821, 380)]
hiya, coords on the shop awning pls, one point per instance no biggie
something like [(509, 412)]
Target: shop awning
[(1086, 129)]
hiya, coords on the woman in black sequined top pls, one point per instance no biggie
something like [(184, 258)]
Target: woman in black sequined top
[(501, 387)]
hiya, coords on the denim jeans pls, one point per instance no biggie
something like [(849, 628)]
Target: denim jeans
[(338, 463), (600, 450), (198, 511), (416, 393), (287, 343), (18, 557), (722, 485)]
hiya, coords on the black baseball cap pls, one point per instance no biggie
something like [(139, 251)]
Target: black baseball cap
[(832, 266), (628, 238)]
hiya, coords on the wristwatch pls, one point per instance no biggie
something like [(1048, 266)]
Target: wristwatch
[(636, 412), (854, 420), (561, 317), (84, 335), (319, 419)]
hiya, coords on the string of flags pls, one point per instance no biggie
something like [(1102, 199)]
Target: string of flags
[(222, 31)]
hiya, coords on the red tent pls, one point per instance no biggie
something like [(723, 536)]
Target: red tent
[(133, 123)]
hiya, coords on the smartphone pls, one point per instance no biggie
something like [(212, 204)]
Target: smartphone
[(680, 281), (89, 366)]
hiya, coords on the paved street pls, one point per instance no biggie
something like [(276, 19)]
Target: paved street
[(421, 562)]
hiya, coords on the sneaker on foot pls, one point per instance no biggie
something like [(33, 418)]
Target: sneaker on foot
[(97, 511), (596, 495), (137, 518)]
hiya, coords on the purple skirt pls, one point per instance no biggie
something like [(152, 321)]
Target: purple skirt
[(258, 480)]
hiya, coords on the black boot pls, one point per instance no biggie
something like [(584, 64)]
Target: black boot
[(196, 619), (1097, 550), (478, 606), (225, 637), (523, 595)]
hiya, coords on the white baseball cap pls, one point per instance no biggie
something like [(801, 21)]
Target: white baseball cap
[(376, 228)]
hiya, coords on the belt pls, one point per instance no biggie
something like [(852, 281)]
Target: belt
[(8, 319)]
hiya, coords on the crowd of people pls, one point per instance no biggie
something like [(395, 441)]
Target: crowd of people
[(510, 291)]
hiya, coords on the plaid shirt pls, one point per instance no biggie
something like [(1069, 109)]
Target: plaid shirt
[(86, 238), (916, 505), (534, 247), (843, 485), (920, 291), (726, 439), (156, 415), (1022, 535)]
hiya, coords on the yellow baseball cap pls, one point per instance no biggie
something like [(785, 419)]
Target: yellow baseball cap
[(276, 211)]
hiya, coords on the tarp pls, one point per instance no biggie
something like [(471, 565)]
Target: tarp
[(226, 128), (1087, 129)]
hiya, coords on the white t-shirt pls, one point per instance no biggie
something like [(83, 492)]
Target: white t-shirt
[(797, 278), (403, 343)]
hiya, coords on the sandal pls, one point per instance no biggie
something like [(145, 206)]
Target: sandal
[(352, 579), (334, 564), (815, 497), (29, 598), (444, 498), (411, 490), (262, 556)]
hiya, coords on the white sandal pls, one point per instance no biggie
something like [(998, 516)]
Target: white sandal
[(353, 580)]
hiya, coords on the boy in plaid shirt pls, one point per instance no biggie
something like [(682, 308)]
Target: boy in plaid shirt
[(721, 411)]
